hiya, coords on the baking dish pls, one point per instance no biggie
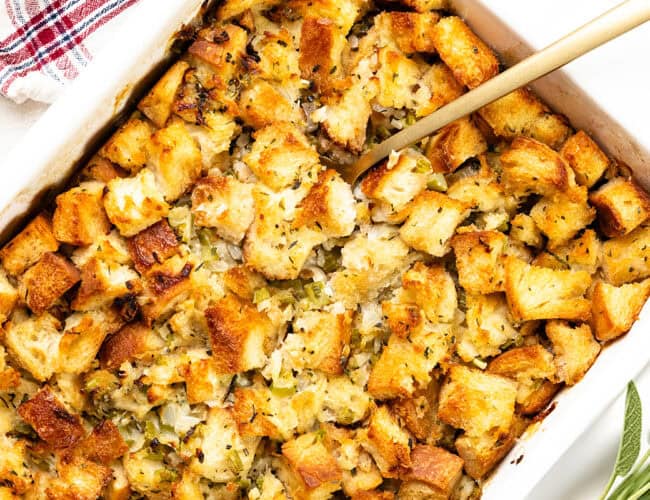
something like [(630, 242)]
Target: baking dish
[(69, 128)]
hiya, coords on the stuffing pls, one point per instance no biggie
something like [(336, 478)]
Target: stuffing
[(443, 86), (477, 402), (431, 288), (481, 190), (28, 246), (279, 58), (262, 104), (520, 113), (329, 205), (560, 217), (157, 104), (110, 247), (78, 478), (411, 31), (435, 467), (532, 167), (204, 383), (45, 282), (14, 472), (102, 282), (524, 230), (615, 309), (424, 5), (99, 169), (9, 377), (234, 8), (627, 258), (187, 488), (479, 260), (420, 413), (135, 203), (224, 203), (104, 444), (321, 45), (166, 285), (220, 47), (575, 349), (8, 297), (387, 442), (343, 12), (260, 411), (311, 461), (80, 218), (128, 146), (152, 246), (538, 397), (452, 145), (281, 155), (585, 158), (622, 206), (174, 159), (325, 337), (243, 282), (432, 221), (583, 253), (468, 57), (33, 342), (213, 135), (399, 79), (538, 293), (395, 183), (145, 474), (134, 341), (240, 335), (402, 319)]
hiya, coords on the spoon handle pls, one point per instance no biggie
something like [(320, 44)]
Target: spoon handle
[(604, 28)]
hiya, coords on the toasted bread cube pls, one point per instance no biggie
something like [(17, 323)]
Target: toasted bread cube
[(311, 461), (344, 12), (411, 31), (214, 135), (436, 467), (223, 53), (479, 260), (224, 203), (102, 282), (388, 443), (521, 113), (575, 350), (627, 258), (321, 45), (78, 478), (243, 282), (203, 382), (157, 104), (583, 253), (402, 319), (585, 158), (622, 206), (28, 246), (50, 419), (399, 79), (532, 167), (523, 229), (104, 444), (46, 281), (538, 398), (395, 184), (468, 57), (420, 413), (538, 293), (329, 205), (443, 86), (135, 203), (325, 336), (262, 105), (8, 297), (167, 285), (260, 412), (279, 58), (80, 218), (134, 341), (175, 160), (481, 453), (432, 221), (33, 343), (240, 335), (153, 245), (489, 327), (477, 402), (424, 5), (615, 309), (280, 155), (9, 378), (432, 288), (482, 190), (450, 147), (561, 216), (234, 8), (14, 472), (128, 146), (99, 169)]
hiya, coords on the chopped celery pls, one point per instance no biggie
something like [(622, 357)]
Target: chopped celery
[(283, 391), (422, 166), (437, 182), (315, 293), (260, 295), (234, 460), (479, 363)]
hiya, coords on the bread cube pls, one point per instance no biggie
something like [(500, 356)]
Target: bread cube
[(627, 258), (450, 147), (220, 47), (402, 319), (411, 31), (424, 5), (135, 341), (15, 474), (321, 45), (388, 443), (585, 158), (135, 203), (153, 245), (399, 79), (622, 206), (583, 253), (157, 104), (311, 461), (468, 57), (213, 135), (538, 398), (8, 297), (538, 293), (99, 169), (175, 160), (443, 86), (432, 221), (240, 335), (431, 288), (482, 190), (80, 218), (262, 105), (144, 474), (479, 260), (167, 285), (46, 281), (9, 378), (78, 478), (279, 57), (234, 8), (28, 246), (561, 217), (575, 350), (260, 412), (33, 343), (128, 146), (203, 383), (524, 230), (50, 419), (615, 309), (102, 282), (224, 203), (420, 413), (436, 467), (477, 402), (520, 113), (104, 444), (325, 336), (344, 12), (243, 282)]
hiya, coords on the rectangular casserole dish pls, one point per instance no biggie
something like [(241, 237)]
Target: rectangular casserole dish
[(71, 127)]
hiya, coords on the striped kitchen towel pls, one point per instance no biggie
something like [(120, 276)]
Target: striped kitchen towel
[(46, 43)]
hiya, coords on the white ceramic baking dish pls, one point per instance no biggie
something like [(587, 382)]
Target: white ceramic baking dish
[(69, 128)]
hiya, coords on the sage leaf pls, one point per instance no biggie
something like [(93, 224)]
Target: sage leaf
[(630, 446)]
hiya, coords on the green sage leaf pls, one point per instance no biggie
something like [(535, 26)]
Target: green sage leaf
[(630, 445)]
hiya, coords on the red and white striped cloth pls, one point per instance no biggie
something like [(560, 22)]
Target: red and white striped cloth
[(45, 43)]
